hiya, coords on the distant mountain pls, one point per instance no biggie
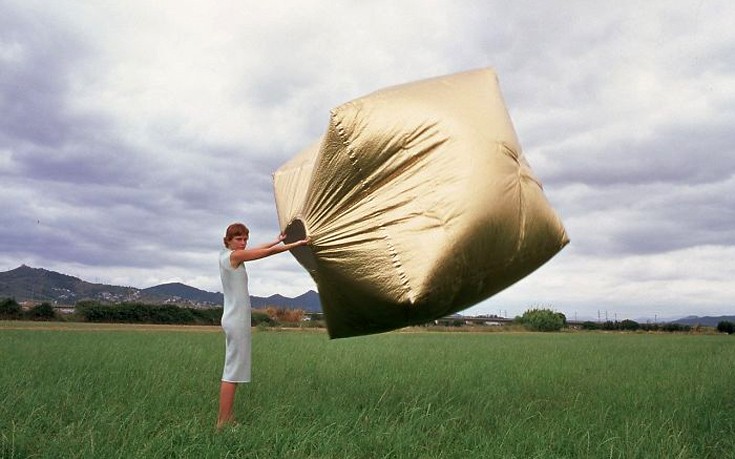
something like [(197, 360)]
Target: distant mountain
[(707, 321), (308, 302), (36, 284), (179, 290), (32, 284)]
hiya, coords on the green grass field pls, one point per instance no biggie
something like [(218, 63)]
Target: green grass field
[(97, 391)]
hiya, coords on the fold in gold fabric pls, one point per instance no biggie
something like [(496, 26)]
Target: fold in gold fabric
[(419, 203)]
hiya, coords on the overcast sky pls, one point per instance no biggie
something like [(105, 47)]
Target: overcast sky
[(132, 133)]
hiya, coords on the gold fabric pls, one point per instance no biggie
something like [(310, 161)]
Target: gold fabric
[(419, 203)]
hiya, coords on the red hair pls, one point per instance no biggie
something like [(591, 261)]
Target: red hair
[(236, 229)]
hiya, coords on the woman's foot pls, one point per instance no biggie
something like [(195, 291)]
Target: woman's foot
[(230, 422)]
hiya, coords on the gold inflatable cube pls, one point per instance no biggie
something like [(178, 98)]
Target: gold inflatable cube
[(419, 203)]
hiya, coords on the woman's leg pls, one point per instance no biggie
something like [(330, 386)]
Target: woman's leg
[(226, 401)]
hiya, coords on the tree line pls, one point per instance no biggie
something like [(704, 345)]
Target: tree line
[(11, 310), (632, 325), (92, 311), (549, 320), (724, 326), (536, 319)]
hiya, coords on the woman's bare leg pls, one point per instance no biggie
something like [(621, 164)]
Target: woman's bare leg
[(226, 401)]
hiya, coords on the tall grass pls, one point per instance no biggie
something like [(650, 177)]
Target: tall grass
[(143, 392)]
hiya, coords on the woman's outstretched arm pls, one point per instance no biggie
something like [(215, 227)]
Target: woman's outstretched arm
[(266, 250)]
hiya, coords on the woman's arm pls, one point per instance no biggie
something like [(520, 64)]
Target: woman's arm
[(247, 254), (280, 238)]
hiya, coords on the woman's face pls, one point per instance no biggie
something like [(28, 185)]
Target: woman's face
[(238, 242)]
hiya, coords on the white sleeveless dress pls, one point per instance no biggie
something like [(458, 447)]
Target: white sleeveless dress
[(235, 320)]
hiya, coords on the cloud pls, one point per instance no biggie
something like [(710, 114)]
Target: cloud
[(132, 134)]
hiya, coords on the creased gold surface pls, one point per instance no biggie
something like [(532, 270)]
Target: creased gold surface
[(419, 203)]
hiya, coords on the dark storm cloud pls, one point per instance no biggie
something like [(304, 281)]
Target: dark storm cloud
[(675, 154), (83, 194), (132, 135), (34, 78), (625, 219), (81, 161), (46, 140)]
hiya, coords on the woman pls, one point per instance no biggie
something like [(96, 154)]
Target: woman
[(236, 315)]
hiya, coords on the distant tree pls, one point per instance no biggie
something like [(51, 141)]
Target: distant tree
[(208, 316), (145, 313), (543, 320), (90, 311), (258, 317), (630, 325), (726, 326), (562, 318), (10, 309), (650, 327), (674, 327), (43, 311), (589, 325), (284, 315)]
